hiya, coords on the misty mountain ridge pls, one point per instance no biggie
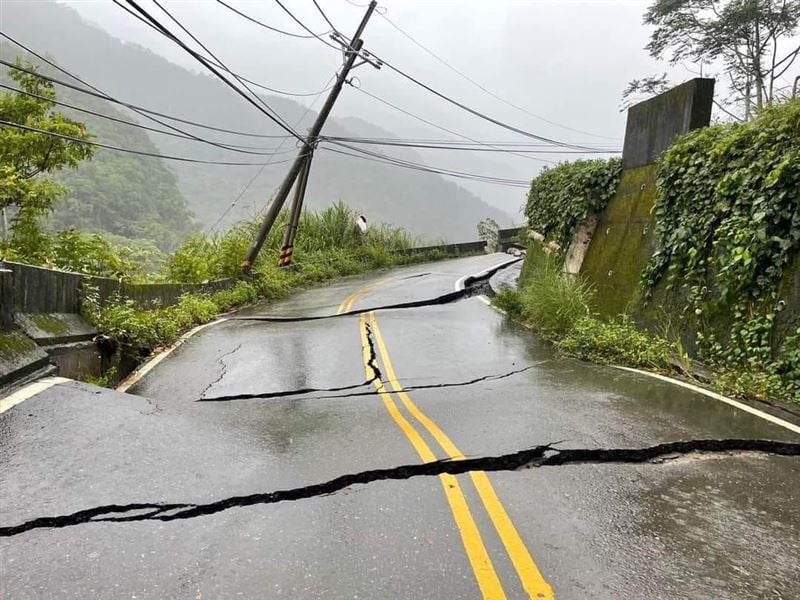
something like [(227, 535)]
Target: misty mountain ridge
[(426, 204)]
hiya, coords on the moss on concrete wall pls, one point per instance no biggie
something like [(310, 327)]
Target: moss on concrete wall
[(788, 319), (13, 343), (50, 324), (19, 355), (622, 243)]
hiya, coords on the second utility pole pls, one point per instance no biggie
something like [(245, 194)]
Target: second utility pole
[(351, 53)]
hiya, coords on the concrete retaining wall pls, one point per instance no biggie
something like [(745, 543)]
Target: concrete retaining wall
[(6, 300), (654, 124), (40, 318), (41, 290), (508, 238), (459, 248), (623, 238)]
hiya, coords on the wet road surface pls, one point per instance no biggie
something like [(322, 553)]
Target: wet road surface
[(354, 394)]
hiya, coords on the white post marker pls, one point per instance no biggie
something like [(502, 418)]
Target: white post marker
[(361, 223)]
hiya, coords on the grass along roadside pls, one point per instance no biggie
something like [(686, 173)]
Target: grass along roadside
[(558, 307)]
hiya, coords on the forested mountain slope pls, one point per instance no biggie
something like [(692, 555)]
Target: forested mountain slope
[(125, 194)]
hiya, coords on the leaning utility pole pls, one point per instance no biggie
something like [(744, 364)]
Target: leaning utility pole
[(351, 52), (287, 248)]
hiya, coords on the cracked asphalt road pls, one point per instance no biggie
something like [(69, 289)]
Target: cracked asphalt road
[(457, 380)]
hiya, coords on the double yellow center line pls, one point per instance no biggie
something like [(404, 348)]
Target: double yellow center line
[(347, 305), (486, 576)]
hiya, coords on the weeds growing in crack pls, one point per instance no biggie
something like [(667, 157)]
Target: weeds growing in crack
[(538, 456)]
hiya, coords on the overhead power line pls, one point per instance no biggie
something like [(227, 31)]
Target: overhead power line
[(134, 107), (439, 127), (324, 16), (477, 113), (128, 150), (448, 98), (221, 64), (486, 89), (438, 170), (270, 27), (303, 25), (217, 62), (270, 151), (311, 33), (435, 146), (98, 93), (252, 180), (270, 114), (465, 143), (478, 178)]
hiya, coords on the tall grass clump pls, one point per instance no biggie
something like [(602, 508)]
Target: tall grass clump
[(328, 244), (558, 307), (550, 301)]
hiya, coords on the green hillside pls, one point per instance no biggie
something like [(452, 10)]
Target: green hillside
[(124, 194)]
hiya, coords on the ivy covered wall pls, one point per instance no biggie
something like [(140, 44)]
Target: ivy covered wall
[(726, 266), (703, 246), (623, 240)]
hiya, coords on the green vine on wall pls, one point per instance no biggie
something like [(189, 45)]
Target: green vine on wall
[(727, 227), (561, 198)]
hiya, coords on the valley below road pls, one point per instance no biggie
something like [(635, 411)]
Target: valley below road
[(301, 457)]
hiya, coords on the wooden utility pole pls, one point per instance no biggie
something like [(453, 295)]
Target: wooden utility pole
[(351, 52), (287, 248)]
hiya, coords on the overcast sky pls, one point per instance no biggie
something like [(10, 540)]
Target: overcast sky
[(563, 60), (566, 61)]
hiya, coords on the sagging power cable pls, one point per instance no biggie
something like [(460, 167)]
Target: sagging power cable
[(437, 126), (265, 26), (96, 92), (367, 55), (216, 61), (127, 150), (485, 88), (383, 158), (208, 65), (237, 148), (469, 148), (253, 179)]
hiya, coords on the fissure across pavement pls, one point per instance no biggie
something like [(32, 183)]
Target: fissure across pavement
[(473, 286), (538, 456), (409, 388)]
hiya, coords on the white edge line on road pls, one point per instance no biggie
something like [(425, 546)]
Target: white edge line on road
[(459, 285), (720, 397), (29, 391), (735, 403), (134, 377)]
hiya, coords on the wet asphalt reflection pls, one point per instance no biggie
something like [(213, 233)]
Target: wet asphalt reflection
[(299, 472)]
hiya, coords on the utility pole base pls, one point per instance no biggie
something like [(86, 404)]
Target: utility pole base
[(286, 256)]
